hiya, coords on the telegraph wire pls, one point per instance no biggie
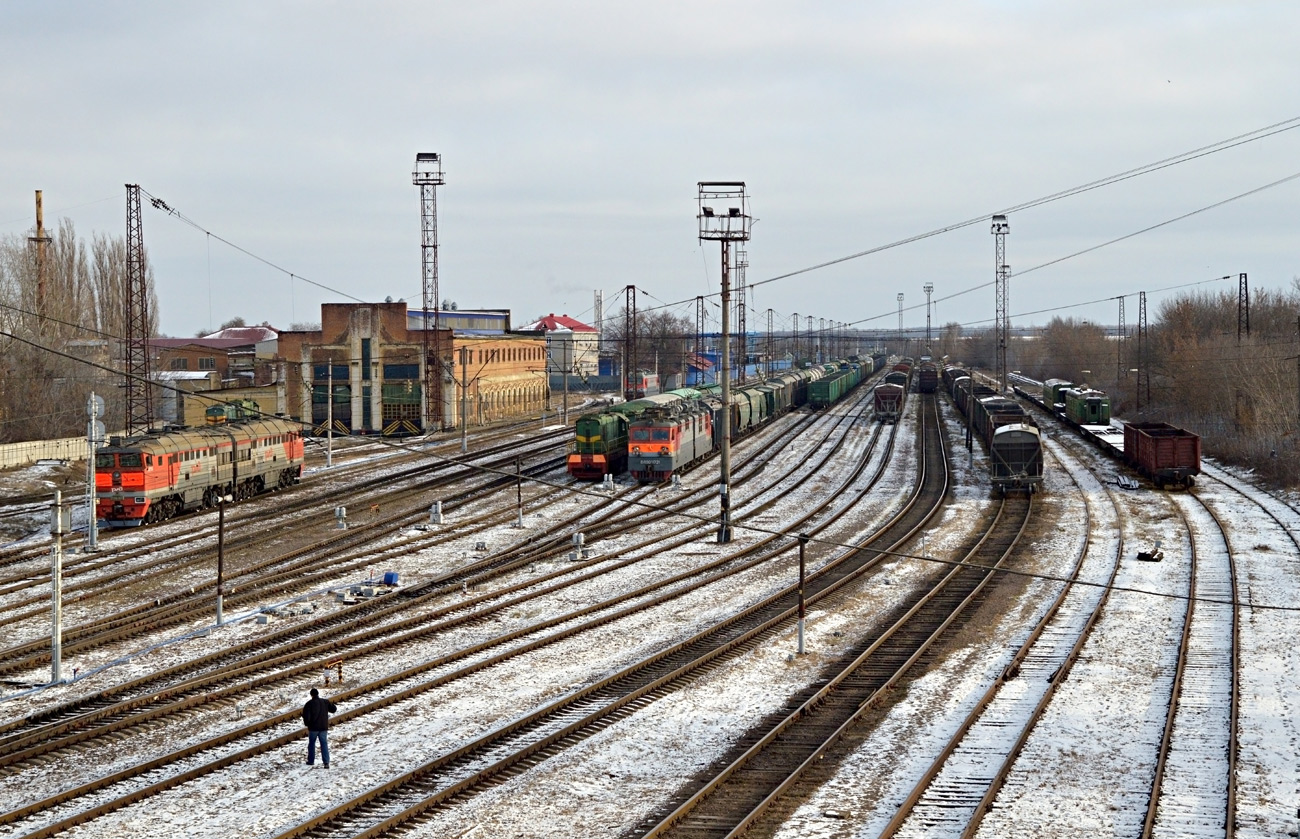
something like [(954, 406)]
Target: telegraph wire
[(167, 209), (1203, 151)]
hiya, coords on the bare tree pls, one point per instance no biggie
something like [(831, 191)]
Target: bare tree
[(63, 344)]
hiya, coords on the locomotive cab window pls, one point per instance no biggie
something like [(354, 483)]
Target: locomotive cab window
[(642, 434), (103, 461), (661, 434), (126, 459)]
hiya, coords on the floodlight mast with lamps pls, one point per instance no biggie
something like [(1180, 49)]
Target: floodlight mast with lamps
[(723, 216), (1001, 325), (928, 288)]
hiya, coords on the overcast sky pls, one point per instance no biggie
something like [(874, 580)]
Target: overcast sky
[(574, 134)]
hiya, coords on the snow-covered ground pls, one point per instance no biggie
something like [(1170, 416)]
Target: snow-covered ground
[(1084, 771)]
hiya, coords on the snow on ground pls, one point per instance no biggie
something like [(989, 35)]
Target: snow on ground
[(1087, 765), (1084, 770), (405, 728), (1268, 575), (867, 789)]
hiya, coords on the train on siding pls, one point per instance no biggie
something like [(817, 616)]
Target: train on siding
[(927, 377), (887, 402), (667, 440), (1164, 454), (1014, 443), (155, 476), (601, 437)]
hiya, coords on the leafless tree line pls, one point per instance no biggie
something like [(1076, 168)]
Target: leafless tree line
[(54, 338), (1238, 389)]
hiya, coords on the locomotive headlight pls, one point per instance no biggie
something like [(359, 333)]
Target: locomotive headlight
[(636, 450), (663, 450)]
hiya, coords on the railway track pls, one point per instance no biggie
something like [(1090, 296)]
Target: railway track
[(1188, 692), (291, 501), (1191, 788), (962, 782), (247, 583), (738, 796), (51, 803)]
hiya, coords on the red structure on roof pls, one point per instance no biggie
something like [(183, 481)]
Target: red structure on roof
[(552, 322)]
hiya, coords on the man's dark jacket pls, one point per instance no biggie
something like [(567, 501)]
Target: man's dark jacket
[(316, 714)]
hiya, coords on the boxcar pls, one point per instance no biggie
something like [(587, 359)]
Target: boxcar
[(888, 402), (1165, 454), (1016, 458), (927, 377)]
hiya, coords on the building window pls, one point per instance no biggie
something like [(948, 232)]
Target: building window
[(180, 364), (208, 363)]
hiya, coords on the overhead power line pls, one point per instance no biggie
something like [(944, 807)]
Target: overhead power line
[(1184, 157), (162, 205)]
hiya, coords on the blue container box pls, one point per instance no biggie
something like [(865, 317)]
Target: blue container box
[(390, 578)]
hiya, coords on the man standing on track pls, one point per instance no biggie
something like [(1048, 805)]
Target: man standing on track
[(316, 716)]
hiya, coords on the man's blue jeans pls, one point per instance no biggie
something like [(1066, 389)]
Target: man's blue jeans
[(312, 736)]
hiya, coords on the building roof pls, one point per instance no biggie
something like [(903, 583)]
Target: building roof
[(244, 334), (554, 322), (201, 343)]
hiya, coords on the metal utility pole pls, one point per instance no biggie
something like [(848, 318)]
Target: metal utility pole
[(222, 501), (742, 262), (928, 288), (136, 387), (329, 414), (901, 345), (803, 607), (1243, 308), (94, 437), (599, 309), (630, 368), (41, 239), (768, 353), (1121, 333), (808, 336), (723, 216), (794, 338), (1001, 227), (464, 399), (699, 335), (1144, 341), (428, 176), (58, 526)]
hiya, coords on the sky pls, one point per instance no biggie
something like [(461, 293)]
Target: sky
[(573, 136)]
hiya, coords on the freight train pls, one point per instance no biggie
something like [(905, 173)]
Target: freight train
[(666, 440), (155, 476), (1014, 442), (1164, 454), (601, 438)]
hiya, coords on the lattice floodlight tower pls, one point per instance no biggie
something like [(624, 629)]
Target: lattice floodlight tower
[(723, 216), (428, 176), (1001, 227), (928, 288), (902, 345)]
